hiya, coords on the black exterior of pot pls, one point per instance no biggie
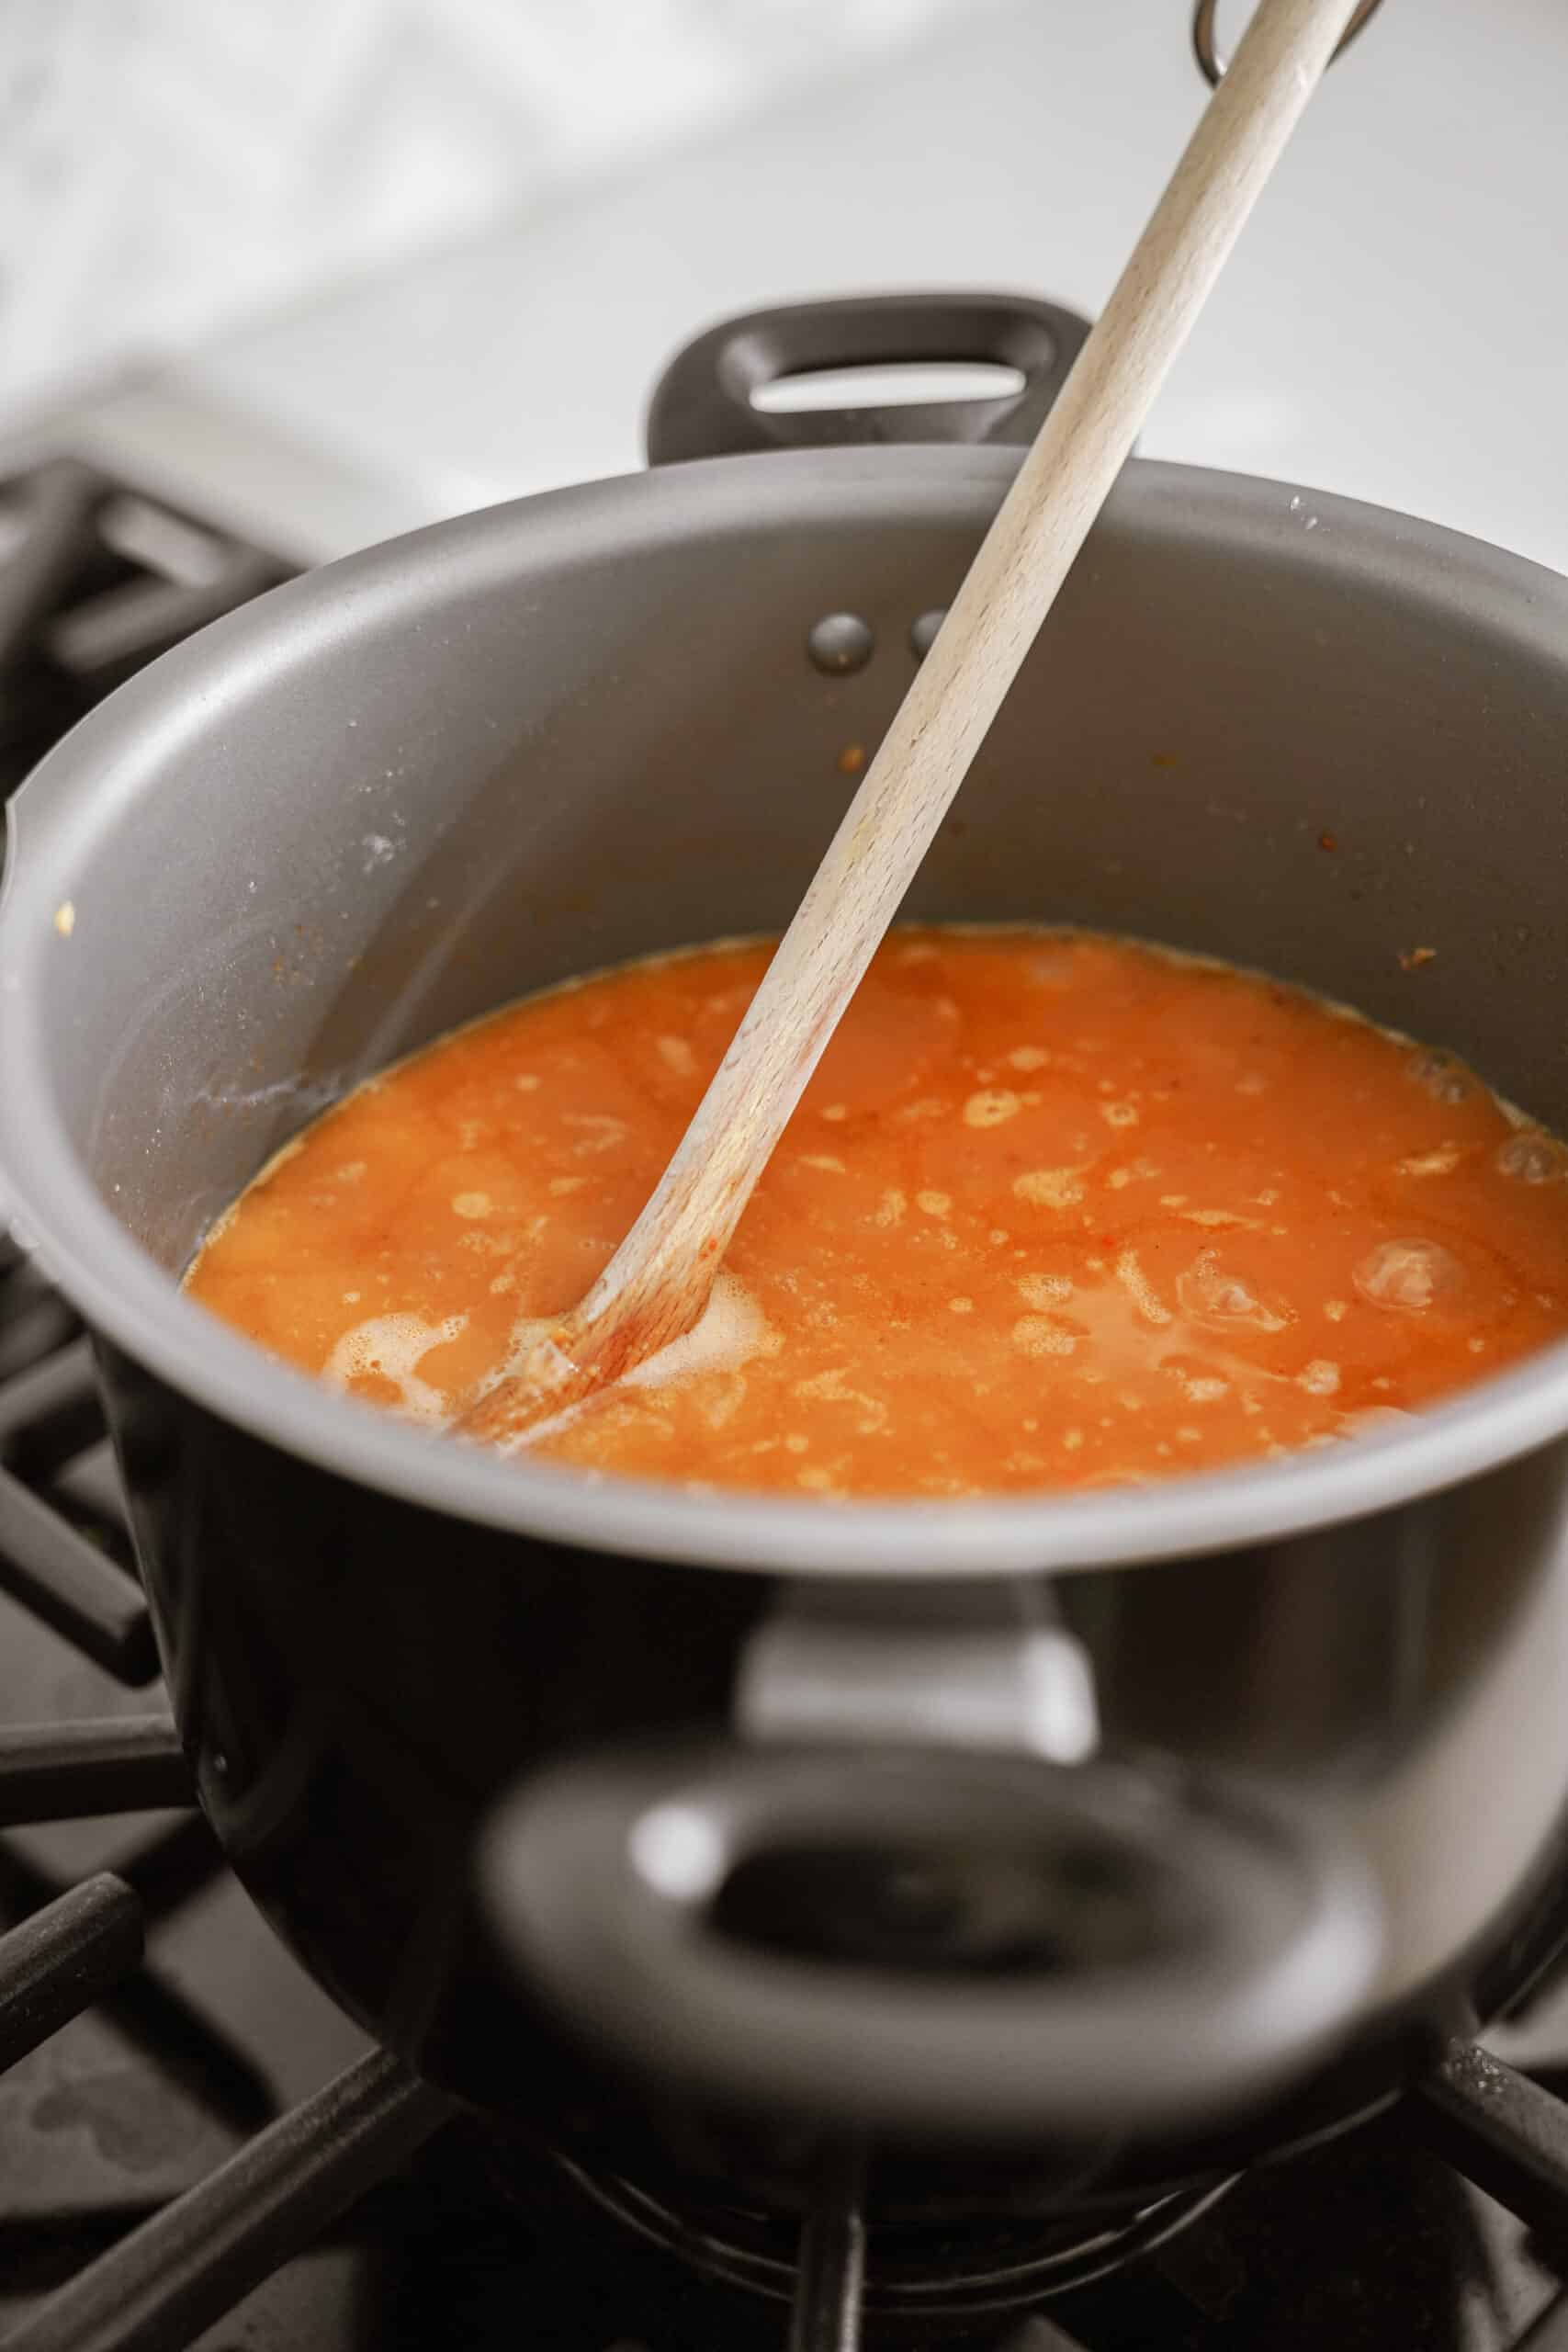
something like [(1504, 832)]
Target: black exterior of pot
[(394, 794), (361, 1683)]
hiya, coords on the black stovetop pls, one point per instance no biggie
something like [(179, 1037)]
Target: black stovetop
[(203, 2151)]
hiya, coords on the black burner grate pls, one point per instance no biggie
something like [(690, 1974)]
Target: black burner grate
[(190, 2261), (194, 2261), (95, 580)]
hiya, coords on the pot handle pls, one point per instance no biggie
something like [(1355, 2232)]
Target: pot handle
[(900, 1940), (702, 405)]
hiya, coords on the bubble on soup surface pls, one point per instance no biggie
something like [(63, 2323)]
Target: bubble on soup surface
[(1441, 1162), (1374, 1421), (1442, 1077), (1037, 1335), (1532, 1158), (1408, 1275), (1136, 1282), (1210, 1294), (991, 1107), (391, 1348), (1050, 1188)]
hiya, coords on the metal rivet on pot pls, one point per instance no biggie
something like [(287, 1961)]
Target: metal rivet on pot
[(923, 631), (838, 643)]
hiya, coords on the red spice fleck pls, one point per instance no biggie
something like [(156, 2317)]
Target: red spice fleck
[(1327, 840)]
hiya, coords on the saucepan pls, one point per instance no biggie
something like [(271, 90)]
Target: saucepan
[(1121, 1823)]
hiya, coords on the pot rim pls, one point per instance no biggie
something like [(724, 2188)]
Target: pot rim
[(58, 1213)]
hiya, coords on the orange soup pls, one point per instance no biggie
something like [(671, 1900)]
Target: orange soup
[(1056, 1211)]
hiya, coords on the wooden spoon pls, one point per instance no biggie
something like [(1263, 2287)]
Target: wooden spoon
[(658, 1282)]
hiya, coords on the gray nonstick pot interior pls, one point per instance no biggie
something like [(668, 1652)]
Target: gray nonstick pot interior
[(536, 740)]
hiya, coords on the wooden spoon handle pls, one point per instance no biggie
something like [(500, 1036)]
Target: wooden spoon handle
[(658, 1281)]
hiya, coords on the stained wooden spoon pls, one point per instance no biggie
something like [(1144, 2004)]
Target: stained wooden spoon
[(658, 1282)]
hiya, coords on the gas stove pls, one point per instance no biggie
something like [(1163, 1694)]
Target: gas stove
[(196, 2148)]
